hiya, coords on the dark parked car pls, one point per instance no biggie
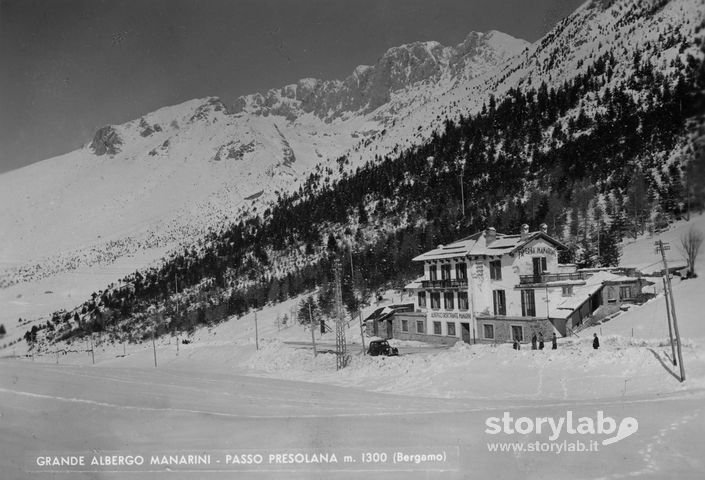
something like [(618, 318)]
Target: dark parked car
[(382, 347)]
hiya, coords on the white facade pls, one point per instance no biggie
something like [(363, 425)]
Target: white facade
[(493, 277)]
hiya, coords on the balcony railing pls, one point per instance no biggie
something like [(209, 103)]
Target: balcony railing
[(552, 277), (444, 284)]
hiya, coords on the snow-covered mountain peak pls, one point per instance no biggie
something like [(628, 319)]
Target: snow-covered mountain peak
[(370, 87), (504, 45)]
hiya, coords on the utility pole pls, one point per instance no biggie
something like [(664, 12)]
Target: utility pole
[(341, 357), (473, 319), (598, 242), (661, 247), (362, 332), (635, 231), (352, 279), (154, 346), (176, 288), (670, 330), (256, 332), (313, 336), (462, 189)]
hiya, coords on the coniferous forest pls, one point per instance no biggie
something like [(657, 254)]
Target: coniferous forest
[(595, 163)]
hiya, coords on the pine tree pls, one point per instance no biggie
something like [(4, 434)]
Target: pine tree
[(308, 309), (362, 213), (637, 203), (609, 246), (2, 329), (695, 176), (332, 243)]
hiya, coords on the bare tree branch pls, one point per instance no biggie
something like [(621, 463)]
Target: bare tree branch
[(690, 246)]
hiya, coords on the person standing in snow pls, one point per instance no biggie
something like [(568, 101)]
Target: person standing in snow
[(595, 342), (533, 342), (540, 340), (554, 342), (516, 345)]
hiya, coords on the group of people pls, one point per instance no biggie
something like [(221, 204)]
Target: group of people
[(539, 340), (538, 343)]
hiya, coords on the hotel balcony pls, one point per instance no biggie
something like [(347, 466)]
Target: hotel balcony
[(552, 277), (444, 284)]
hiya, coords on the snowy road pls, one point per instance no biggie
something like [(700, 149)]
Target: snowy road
[(50, 410)]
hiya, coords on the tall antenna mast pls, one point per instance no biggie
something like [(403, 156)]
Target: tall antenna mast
[(340, 346)]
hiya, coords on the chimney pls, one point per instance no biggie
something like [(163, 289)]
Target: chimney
[(544, 228), (490, 235), (524, 231)]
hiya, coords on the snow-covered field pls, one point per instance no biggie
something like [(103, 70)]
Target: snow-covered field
[(222, 395)]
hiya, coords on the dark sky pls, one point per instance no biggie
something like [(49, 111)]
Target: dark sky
[(68, 67)]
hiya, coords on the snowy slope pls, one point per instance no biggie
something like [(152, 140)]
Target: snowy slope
[(167, 177), (158, 189), (649, 321), (656, 29), (632, 361), (221, 375)]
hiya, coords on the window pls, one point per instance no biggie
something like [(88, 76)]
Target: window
[(462, 300), (422, 299), (518, 333), (451, 329), (433, 274), (436, 328), (488, 330), (419, 326), (528, 303), (500, 302), (625, 292), (610, 295), (568, 291), (435, 300), (461, 271), (496, 270), (448, 301), (404, 325), (539, 267), (445, 272)]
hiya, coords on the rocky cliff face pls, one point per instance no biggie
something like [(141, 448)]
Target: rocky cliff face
[(370, 87), (106, 140)]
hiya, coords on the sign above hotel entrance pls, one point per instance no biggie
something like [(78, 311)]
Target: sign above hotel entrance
[(458, 315), (537, 251)]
